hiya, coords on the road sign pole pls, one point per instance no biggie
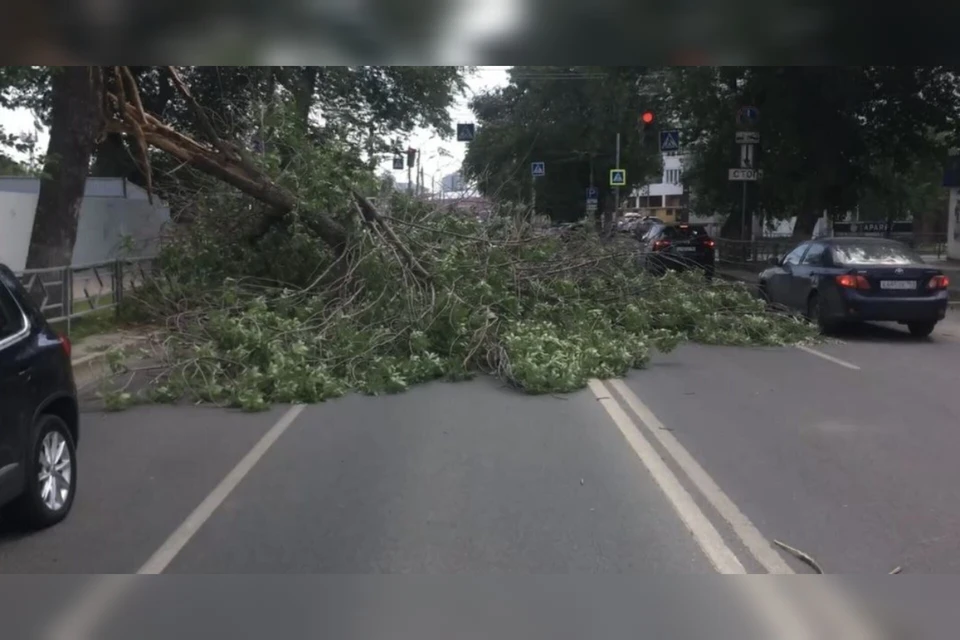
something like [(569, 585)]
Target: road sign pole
[(616, 190), (743, 213)]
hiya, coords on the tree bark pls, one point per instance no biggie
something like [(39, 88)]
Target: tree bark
[(805, 224), (75, 126)]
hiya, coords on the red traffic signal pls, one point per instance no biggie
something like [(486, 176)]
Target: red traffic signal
[(647, 117)]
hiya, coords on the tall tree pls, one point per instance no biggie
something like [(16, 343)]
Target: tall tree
[(75, 124), (568, 118), (826, 133)]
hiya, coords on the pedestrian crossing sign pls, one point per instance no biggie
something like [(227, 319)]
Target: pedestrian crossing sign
[(618, 178), (670, 140)]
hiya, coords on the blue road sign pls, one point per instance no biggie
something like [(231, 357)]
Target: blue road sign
[(592, 193), (670, 140), (538, 169), (618, 177), (465, 132), (748, 116)]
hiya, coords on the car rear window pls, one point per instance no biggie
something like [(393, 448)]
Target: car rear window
[(684, 232), (880, 253), (11, 319)]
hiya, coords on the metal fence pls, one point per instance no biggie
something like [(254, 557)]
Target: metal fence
[(755, 255), (67, 293)]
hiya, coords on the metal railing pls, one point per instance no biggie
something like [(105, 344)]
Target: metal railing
[(755, 255), (67, 293)]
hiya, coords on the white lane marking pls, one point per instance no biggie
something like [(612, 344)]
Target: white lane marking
[(783, 617), (751, 537), (829, 358), (81, 618), (704, 533), (162, 558)]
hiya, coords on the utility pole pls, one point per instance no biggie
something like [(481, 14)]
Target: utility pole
[(410, 153), (419, 175)]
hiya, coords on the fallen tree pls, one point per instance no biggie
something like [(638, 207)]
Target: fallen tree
[(316, 303), (541, 313)]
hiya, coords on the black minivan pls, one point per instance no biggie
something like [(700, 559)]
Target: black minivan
[(39, 416)]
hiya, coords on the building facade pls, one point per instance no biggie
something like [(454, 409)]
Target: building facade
[(666, 199)]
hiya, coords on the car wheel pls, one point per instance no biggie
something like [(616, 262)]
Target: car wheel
[(815, 314), (762, 292), (921, 329), (51, 476)]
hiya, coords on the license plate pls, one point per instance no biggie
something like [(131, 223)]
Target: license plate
[(898, 285), (686, 249)]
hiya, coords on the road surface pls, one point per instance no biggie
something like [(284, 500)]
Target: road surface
[(465, 492)]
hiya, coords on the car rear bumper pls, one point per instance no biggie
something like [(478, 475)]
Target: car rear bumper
[(681, 261), (856, 306)]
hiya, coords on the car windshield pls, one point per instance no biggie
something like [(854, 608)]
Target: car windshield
[(683, 232), (880, 253)]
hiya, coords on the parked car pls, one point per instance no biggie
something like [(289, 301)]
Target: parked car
[(835, 281), (39, 419), (678, 247)]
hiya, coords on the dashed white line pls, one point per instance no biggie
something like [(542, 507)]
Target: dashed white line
[(82, 617), (828, 357), (162, 558)]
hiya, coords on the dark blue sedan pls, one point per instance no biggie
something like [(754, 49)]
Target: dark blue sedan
[(836, 281)]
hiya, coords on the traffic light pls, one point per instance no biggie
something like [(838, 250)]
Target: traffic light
[(411, 157), (646, 124)]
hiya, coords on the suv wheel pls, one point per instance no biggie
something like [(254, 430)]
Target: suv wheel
[(921, 329), (51, 475)]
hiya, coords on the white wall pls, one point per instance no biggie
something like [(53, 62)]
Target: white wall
[(102, 226), (16, 223)]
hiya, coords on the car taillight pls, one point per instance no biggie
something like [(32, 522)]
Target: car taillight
[(65, 343), (938, 282), (851, 281), (660, 244), (709, 243)]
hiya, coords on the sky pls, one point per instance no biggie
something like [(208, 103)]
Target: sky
[(438, 156)]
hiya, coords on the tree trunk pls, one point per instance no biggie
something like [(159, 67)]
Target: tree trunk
[(807, 218), (75, 125)]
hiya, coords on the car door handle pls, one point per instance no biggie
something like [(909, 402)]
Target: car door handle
[(24, 372)]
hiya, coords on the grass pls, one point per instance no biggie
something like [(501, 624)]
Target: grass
[(94, 323)]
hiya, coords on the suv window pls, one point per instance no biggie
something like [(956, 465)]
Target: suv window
[(11, 318), (794, 256), (684, 231), (814, 256)]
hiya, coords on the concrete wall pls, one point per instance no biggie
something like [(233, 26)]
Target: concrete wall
[(103, 224)]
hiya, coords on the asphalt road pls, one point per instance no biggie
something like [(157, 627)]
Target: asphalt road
[(472, 492)]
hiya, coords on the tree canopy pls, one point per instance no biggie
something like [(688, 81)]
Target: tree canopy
[(832, 138), (568, 118), (829, 135)]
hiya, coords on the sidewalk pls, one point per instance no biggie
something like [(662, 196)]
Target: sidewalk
[(89, 355)]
